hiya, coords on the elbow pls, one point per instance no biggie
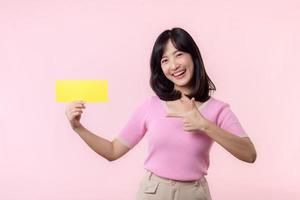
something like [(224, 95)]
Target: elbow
[(251, 158), (251, 155), (110, 154), (110, 158)]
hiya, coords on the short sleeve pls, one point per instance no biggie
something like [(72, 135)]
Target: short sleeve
[(135, 128), (228, 121)]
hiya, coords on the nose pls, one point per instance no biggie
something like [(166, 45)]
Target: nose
[(174, 65)]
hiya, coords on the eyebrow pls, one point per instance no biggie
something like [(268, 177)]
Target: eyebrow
[(172, 53)]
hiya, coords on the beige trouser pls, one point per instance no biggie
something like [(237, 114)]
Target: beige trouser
[(153, 187)]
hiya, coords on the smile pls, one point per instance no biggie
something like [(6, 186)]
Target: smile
[(179, 74)]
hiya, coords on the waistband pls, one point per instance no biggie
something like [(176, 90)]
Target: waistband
[(151, 176)]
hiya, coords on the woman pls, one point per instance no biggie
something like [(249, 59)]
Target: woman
[(181, 123)]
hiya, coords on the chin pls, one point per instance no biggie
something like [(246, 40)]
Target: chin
[(181, 83)]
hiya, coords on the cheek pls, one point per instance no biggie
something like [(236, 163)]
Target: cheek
[(184, 61), (190, 65), (191, 68), (165, 70)]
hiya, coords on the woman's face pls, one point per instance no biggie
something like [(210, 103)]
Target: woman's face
[(178, 67)]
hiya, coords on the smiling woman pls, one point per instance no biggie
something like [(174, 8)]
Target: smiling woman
[(177, 67), (182, 121)]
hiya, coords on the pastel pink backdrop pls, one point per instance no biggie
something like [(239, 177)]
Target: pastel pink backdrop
[(250, 50)]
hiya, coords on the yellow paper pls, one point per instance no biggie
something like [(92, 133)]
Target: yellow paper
[(86, 90)]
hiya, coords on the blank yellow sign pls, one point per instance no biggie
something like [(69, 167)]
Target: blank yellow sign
[(86, 90)]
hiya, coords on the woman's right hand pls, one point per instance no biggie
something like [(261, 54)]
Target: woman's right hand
[(73, 113)]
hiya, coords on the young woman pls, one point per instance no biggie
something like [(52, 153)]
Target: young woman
[(181, 123)]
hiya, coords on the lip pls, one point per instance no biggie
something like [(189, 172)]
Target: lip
[(184, 70), (180, 76)]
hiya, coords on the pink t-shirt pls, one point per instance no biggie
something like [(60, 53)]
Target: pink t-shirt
[(172, 152)]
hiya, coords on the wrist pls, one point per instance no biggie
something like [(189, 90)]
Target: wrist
[(77, 127), (206, 125)]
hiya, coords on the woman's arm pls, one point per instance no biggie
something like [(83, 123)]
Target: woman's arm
[(109, 150), (105, 148), (240, 147)]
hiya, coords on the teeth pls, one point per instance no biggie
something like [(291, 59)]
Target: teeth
[(178, 73)]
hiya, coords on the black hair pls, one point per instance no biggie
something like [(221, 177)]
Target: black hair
[(161, 85)]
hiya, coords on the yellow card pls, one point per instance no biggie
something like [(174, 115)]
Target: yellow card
[(86, 90)]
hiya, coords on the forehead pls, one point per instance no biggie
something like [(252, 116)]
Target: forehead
[(169, 49)]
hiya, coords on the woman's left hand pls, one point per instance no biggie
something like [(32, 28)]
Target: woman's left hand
[(193, 120)]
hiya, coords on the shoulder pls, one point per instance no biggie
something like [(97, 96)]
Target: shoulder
[(222, 110), (217, 104), (151, 100), (147, 102)]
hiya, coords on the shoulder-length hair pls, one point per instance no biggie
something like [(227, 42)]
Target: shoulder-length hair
[(161, 85)]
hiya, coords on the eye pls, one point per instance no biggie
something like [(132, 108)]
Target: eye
[(179, 54), (163, 61)]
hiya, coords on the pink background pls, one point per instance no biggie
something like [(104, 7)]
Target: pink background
[(250, 50)]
